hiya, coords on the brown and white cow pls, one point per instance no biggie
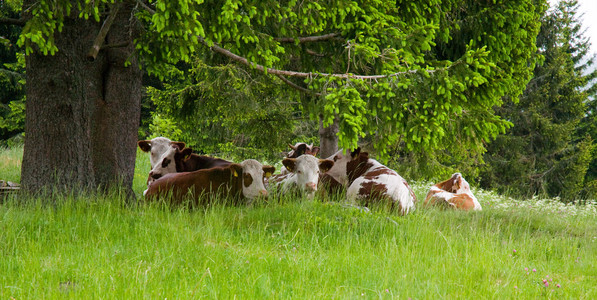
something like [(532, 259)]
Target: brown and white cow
[(157, 146), (176, 160), (302, 148), (237, 181), (303, 175), (454, 192), (370, 182)]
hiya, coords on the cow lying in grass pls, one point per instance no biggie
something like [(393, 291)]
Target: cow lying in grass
[(454, 193), (157, 147), (235, 181), (303, 174), (369, 182), (175, 159)]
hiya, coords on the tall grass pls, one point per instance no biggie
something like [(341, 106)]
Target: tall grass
[(89, 247)]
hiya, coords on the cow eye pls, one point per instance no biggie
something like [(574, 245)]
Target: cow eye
[(336, 158)]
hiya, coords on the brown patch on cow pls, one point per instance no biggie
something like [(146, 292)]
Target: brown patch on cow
[(330, 185), (451, 185), (247, 179), (314, 151), (179, 145), (381, 171), (372, 193), (186, 161), (358, 166)]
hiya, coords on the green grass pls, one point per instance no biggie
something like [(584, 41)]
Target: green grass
[(88, 247)]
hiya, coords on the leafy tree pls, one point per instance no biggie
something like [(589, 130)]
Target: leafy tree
[(12, 77), (542, 153), (370, 68)]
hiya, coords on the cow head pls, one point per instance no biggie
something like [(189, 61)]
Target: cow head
[(252, 175), (302, 148), (339, 170), (307, 168), (157, 146), (457, 184), (166, 163)]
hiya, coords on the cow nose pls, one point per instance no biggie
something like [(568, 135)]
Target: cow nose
[(263, 193), (311, 186)]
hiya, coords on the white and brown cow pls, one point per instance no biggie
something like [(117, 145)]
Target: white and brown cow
[(237, 181), (303, 175), (156, 147), (176, 160), (370, 182), (302, 148), (454, 193)]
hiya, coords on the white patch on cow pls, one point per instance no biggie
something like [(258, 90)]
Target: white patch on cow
[(255, 170), (159, 145), (338, 171), (304, 176), (164, 165), (395, 185)]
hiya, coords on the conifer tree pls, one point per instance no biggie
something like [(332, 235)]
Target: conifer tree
[(543, 153)]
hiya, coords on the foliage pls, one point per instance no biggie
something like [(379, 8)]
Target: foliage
[(543, 153), (225, 110), (12, 78)]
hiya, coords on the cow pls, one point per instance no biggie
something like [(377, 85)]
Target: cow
[(302, 148), (303, 174), (157, 146), (370, 182), (237, 181), (176, 160), (454, 193)]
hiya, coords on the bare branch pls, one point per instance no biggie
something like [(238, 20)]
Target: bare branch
[(101, 36), (259, 67), (307, 39), (146, 7), (110, 46), (311, 52), (295, 86), (11, 21)]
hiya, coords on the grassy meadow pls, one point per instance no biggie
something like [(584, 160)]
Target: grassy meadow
[(90, 247)]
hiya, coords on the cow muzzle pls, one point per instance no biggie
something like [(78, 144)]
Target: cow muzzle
[(311, 186)]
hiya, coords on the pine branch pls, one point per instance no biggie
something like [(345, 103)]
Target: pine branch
[(101, 36), (295, 86)]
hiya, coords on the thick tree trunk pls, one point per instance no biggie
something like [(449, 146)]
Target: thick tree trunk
[(328, 139), (82, 116)]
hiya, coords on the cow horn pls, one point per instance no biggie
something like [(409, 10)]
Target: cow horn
[(292, 147)]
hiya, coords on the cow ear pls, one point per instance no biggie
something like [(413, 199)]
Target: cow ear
[(315, 151), (179, 145), (145, 145), (355, 153), (186, 152), (236, 169), (289, 163), (268, 171), (325, 165)]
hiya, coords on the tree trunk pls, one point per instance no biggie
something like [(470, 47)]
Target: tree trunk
[(328, 139), (82, 116)]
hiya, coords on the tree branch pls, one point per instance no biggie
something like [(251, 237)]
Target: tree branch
[(307, 39), (259, 67), (101, 36), (146, 7), (110, 46), (11, 21), (296, 86)]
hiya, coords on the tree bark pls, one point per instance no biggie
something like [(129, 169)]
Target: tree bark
[(328, 139), (82, 116)]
